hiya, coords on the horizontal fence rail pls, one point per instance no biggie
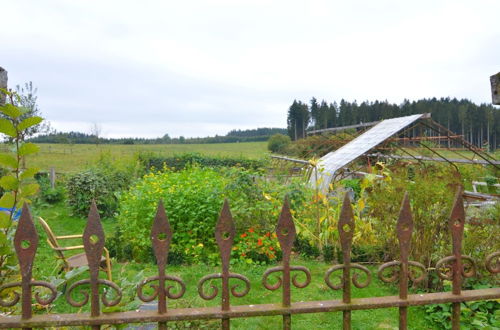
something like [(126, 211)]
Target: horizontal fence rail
[(165, 287)]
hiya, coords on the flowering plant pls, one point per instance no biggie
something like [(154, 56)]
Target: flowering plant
[(253, 247)]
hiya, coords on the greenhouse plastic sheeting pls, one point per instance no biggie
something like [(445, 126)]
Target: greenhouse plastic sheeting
[(335, 160)]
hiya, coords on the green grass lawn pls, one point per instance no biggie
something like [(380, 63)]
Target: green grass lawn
[(66, 158), (126, 274)]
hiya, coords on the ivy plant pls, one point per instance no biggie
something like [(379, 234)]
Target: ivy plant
[(17, 182)]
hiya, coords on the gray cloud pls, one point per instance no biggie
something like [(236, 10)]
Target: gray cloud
[(198, 68)]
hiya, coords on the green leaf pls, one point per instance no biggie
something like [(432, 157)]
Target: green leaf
[(4, 220), (11, 111), (7, 200), (22, 201), (29, 173), (8, 161), (7, 128), (3, 238), (9, 182), (5, 91), (28, 149), (29, 122), (29, 189)]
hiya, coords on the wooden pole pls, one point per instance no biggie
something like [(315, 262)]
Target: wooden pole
[(3, 84), (52, 178), (495, 88)]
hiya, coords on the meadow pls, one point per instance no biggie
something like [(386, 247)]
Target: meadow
[(72, 158)]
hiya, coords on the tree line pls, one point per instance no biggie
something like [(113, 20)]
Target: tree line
[(250, 135), (478, 124)]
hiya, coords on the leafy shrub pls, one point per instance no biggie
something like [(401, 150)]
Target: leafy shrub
[(278, 142), (482, 225), (318, 145), (98, 184), (355, 185), (306, 249), (179, 162), (16, 183), (431, 195), (49, 194), (192, 199), (474, 314)]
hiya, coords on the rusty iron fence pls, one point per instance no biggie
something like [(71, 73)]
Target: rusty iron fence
[(455, 267)]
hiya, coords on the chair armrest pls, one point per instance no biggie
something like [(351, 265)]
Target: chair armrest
[(67, 248), (69, 236)]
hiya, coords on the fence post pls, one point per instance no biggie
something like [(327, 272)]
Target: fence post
[(401, 269), (286, 233), (161, 237), (93, 243), (52, 177), (3, 84), (346, 231), (224, 235), (495, 88)]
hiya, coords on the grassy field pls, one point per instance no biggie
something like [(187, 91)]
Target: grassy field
[(127, 274), (66, 158)]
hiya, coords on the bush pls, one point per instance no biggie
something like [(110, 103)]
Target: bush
[(192, 199), (278, 142), (49, 194), (179, 162), (431, 196), (99, 184), (305, 248)]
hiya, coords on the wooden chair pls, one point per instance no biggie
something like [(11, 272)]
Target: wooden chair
[(76, 260)]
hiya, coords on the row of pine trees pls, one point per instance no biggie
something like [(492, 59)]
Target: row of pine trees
[(479, 124)]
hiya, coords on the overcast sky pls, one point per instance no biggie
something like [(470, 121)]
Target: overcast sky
[(198, 68)]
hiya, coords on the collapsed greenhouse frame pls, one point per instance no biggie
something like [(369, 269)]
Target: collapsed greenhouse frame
[(400, 138)]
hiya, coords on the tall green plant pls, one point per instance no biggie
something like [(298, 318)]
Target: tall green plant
[(17, 183)]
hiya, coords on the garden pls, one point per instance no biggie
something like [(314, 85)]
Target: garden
[(193, 188)]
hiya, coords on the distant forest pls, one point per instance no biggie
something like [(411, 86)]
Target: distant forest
[(249, 135), (479, 124)]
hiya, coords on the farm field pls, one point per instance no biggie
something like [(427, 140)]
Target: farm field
[(71, 158)]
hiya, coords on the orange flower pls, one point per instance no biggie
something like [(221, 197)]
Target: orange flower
[(268, 234), (243, 235), (259, 242), (243, 254), (250, 230), (271, 248)]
